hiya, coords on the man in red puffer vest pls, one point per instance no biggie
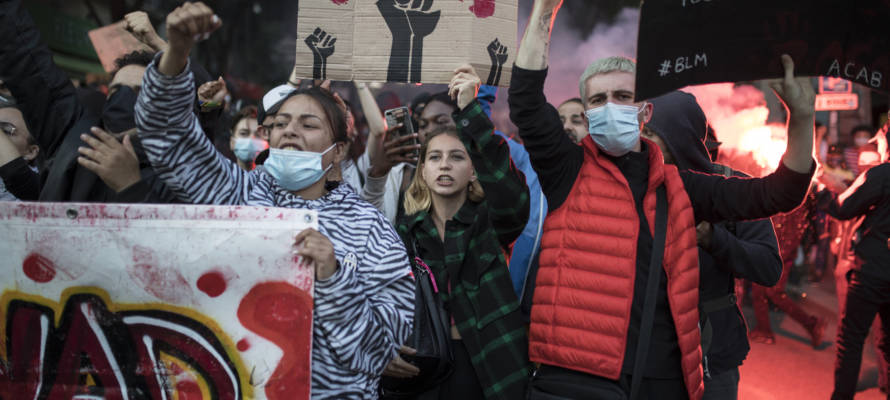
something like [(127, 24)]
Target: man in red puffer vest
[(598, 235)]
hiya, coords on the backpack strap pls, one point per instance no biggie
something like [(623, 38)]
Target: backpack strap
[(655, 270)]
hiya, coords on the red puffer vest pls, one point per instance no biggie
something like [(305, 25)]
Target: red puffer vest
[(585, 284)]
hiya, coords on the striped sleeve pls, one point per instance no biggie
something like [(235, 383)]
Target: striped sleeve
[(176, 146), (365, 324)]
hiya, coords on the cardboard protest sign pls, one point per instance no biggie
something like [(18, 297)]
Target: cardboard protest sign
[(405, 40), (688, 42), (113, 41), (153, 302)]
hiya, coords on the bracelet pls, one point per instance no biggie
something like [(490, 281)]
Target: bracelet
[(209, 105)]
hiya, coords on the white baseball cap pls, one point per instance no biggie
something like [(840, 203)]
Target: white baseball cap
[(272, 100)]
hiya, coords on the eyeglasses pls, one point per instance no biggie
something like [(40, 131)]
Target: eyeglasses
[(7, 128)]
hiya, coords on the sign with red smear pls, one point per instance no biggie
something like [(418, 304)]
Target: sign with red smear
[(419, 41), (153, 302), (113, 41)]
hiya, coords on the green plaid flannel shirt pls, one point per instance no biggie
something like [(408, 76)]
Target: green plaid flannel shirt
[(471, 264)]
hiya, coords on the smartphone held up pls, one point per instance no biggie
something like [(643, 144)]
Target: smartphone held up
[(400, 116)]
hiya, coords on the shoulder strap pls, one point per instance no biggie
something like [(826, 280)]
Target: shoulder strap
[(654, 280)]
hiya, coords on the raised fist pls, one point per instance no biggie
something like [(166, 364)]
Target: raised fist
[(212, 94), (409, 21), (188, 24), (140, 26), (498, 54), (322, 45)]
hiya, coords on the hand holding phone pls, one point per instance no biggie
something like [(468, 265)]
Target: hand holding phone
[(400, 127)]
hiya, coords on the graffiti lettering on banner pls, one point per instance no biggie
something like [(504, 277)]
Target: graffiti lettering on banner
[(405, 41), (691, 42), (153, 302)]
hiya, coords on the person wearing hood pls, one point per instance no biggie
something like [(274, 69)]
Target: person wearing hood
[(600, 249), (114, 168), (726, 251)]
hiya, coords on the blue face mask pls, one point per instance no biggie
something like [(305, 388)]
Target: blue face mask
[(614, 128), (295, 170), (246, 149)]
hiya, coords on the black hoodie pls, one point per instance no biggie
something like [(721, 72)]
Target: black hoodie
[(746, 250)]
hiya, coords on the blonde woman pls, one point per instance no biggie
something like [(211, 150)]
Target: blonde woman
[(466, 205)]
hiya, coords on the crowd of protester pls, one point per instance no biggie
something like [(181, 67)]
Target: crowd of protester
[(596, 255)]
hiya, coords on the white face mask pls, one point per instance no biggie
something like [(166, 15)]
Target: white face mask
[(614, 128), (295, 170)]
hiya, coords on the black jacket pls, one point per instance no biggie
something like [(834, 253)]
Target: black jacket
[(746, 250), (870, 196), (56, 117)]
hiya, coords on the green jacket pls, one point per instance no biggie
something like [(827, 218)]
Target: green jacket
[(471, 261)]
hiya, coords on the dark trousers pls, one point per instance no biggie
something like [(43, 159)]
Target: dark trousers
[(866, 297), (554, 383), (723, 386), (842, 270), (462, 384)]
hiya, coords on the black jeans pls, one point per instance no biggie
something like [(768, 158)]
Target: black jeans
[(554, 383), (723, 386), (866, 297), (462, 384)]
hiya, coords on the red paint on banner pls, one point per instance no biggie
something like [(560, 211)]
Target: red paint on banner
[(243, 345), (38, 268), (186, 389), (482, 8), (282, 313), (213, 283), (163, 282), (340, 2)]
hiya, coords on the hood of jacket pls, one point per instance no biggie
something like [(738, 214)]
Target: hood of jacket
[(681, 124)]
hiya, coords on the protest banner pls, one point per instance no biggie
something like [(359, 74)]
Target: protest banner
[(690, 42), (153, 302), (405, 40), (113, 41)]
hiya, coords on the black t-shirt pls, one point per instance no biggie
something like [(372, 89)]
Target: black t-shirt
[(663, 359)]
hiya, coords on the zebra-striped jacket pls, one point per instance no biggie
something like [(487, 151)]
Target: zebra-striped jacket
[(365, 310)]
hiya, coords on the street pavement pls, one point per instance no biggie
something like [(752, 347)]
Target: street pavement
[(791, 369)]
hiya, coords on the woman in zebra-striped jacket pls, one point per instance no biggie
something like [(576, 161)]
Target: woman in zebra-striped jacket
[(364, 294)]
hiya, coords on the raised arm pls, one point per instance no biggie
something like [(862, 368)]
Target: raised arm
[(716, 199), (173, 141), (554, 156), (505, 190), (800, 100), (535, 48), (375, 185)]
